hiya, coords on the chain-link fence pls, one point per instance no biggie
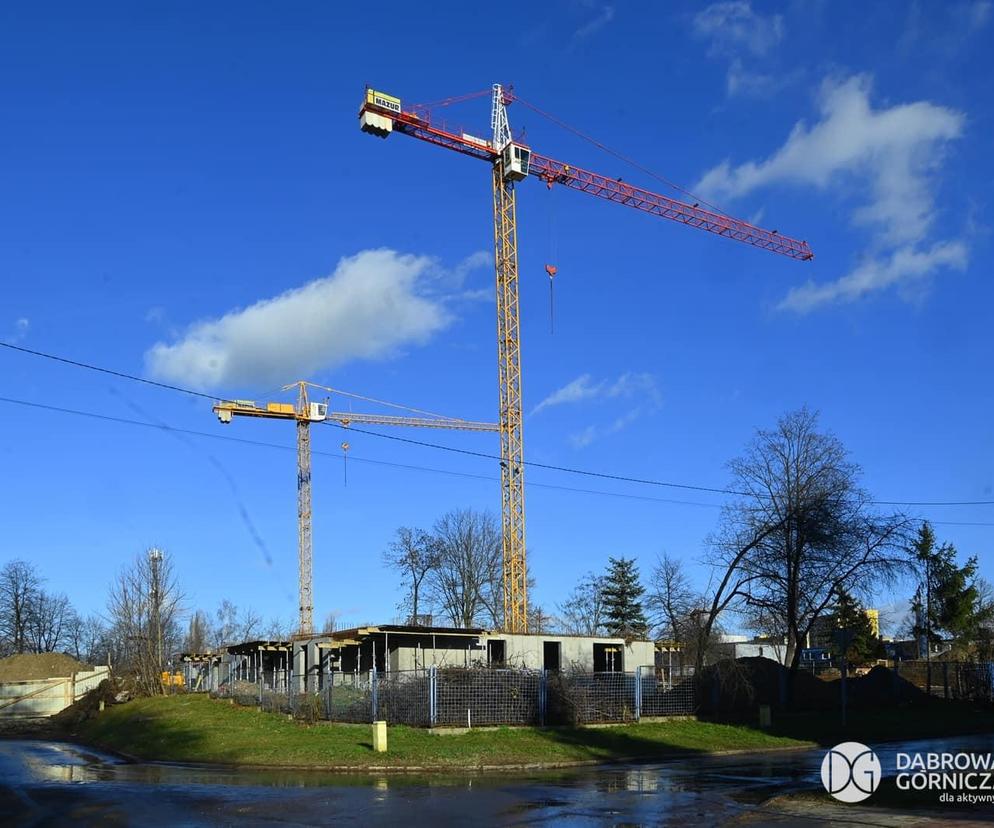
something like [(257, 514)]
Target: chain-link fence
[(585, 698), (475, 697), (590, 698), (677, 697), (469, 697), (956, 680)]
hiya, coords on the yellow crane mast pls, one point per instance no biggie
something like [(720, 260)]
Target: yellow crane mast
[(303, 414), (512, 161)]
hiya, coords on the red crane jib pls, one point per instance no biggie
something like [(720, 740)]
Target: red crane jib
[(620, 192)]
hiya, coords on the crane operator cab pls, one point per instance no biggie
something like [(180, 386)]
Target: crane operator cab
[(515, 160)]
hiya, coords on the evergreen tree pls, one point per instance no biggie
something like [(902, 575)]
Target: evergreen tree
[(855, 634), (622, 597), (949, 599)]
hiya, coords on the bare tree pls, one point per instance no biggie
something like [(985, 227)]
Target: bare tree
[(671, 600), (330, 621), (802, 532), (415, 554), (232, 625), (466, 583), (197, 633), (85, 638), (49, 622), (582, 613), (20, 587), (144, 607), (539, 621), (279, 629)]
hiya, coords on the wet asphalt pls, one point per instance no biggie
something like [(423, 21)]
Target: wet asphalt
[(48, 783)]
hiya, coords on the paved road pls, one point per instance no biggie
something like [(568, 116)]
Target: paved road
[(53, 783)]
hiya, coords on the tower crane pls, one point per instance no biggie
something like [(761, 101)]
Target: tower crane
[(303, 414), (512, 161)]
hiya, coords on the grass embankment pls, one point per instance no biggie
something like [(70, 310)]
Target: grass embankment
[(199, 729)]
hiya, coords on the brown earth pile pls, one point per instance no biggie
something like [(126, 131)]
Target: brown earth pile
[(735, 688), (88, 706), (33, 666)]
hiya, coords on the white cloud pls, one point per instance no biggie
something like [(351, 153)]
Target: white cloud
[(628, 385), (574, 391), (740, 35), (941, 29), (978, 14), (890, 155), (903, 265), (373, 304), (582, 439), (733, 27), (20, 331), (742, 81), (638, 388), (604, 16)]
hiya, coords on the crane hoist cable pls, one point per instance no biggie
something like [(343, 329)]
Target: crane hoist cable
[(551, 268), (620, 156)]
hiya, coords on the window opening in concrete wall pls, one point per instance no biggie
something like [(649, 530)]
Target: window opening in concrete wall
[(551, 655), (608, 658), (496, 653)]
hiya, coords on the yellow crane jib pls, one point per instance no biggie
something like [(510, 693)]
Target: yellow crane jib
[(303, 413)]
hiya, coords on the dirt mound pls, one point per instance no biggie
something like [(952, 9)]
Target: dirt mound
[(33, 666), (88, 706), (882, 686), (735, 688)]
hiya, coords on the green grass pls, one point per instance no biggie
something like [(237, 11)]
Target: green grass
[(199, 729), (191, 728)]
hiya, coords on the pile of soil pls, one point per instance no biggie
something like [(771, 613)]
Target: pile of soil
[(88, 706), (881, 686), (735, 688), (33, 666)]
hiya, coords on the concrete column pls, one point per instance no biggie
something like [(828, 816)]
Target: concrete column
[(300, 667)]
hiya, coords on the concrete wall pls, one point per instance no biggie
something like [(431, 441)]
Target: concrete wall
[(411, 653), (407, 651), (528, 651), (576, 652), (46, 697)]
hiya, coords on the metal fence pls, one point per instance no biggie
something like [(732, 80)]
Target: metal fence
[(475, 697), (956, 680), (589, 698)]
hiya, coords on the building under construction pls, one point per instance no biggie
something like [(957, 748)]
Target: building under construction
[(310, 664)]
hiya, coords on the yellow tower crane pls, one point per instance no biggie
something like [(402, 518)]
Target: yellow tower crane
[(303, 414)]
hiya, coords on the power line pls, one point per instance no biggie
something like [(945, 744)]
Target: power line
[(386, 463), (119, 374), (640, 480), (603, 475), (483, 455), (263, 444)]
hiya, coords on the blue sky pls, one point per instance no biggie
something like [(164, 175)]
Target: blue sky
[(187, 196)]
